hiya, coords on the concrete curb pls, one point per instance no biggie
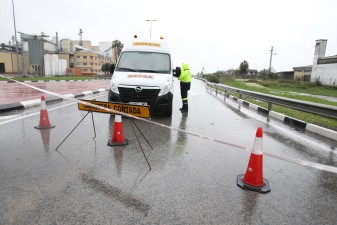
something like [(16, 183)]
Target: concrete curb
[(36, 102), (285, 119)]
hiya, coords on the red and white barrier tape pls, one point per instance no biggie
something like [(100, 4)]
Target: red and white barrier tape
[(276, 156)]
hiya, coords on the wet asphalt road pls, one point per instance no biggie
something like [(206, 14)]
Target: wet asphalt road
[(192, 181), (15, 92)]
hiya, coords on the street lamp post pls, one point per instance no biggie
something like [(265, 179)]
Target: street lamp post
[(16, 41), (151, 25)]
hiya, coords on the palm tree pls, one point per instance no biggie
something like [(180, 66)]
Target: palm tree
[(244, 67), (117, 49)]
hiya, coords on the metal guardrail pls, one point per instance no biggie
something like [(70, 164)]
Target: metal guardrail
[(310, 107)]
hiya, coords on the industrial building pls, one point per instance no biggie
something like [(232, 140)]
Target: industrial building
[(9, 62), (41, 57), (324, 68), (302, 73)]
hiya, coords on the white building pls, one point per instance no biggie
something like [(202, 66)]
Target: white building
[(324, 69)]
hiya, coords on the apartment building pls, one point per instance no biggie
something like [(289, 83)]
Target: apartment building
[(84, 58), (89, 62)]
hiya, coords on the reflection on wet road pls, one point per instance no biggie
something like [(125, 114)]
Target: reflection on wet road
[(127, 199), (192, 181), (14, 92)]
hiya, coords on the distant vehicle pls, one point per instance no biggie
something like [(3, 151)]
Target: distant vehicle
[(144, 76)]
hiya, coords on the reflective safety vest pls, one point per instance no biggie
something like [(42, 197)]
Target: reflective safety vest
[(185, 75)]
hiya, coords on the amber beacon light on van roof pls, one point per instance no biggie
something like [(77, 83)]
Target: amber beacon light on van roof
[(136, 36), (147, 43)]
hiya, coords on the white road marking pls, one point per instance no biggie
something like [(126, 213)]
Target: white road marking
[(7, 117), (33, 114)]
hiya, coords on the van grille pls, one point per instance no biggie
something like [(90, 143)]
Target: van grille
[(145, 95)]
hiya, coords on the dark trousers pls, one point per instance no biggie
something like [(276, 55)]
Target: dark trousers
[(184, 88)]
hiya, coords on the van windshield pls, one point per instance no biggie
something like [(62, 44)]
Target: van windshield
[(152, 62)]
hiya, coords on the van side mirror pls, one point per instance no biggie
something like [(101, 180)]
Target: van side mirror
[(112, 68), (177, 71)]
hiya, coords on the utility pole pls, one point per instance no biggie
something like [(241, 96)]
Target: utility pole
[(271, 58), (24, 71), (16, 42)]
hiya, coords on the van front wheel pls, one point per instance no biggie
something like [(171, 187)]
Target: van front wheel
[(168, 111)]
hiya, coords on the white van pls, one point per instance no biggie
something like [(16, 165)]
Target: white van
[(144, 76)]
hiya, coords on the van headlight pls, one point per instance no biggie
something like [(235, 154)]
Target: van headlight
[(114, 87), (167, 87)]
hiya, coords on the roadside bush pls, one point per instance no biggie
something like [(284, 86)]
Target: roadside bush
[(286, 83), (318, 83), (212, 78)]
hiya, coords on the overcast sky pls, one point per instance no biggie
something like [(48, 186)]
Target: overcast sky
[(214, 34)]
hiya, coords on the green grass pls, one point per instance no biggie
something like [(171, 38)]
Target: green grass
[(303, 87), (283, 89), (288, 90), (304, 116)]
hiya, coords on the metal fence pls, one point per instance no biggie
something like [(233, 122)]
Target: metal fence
[(310, 107)]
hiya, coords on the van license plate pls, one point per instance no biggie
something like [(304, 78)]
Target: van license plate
[(138, 103)]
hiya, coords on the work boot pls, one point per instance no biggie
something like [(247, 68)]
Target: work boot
[(184, 108)]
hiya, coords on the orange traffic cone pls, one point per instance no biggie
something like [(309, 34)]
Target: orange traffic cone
[(118, 136), (44, 119), (253, 179)]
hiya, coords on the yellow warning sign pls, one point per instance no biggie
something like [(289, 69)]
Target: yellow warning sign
[(134, 110)]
